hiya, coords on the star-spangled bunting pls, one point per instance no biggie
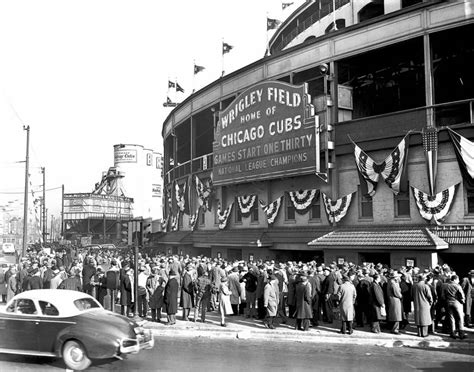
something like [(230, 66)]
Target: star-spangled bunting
[(271, 210), (204, 193), (246, 203), (336, 210), (226, 48), (435, 207), (429, 136), (303, 199), (392, 169), (464, 150)]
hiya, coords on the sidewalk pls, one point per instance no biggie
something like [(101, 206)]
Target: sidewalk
[(240, 327)]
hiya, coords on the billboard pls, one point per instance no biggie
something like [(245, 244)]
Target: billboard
[(268, 131), (125, 156), (84, 203)]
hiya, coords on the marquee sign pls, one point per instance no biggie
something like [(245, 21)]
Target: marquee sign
[(268, 131)]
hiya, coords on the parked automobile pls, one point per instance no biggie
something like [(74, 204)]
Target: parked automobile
[(68, 324)]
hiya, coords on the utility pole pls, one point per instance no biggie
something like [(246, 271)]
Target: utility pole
[(44, 204), (52, 229), (25, 201), (62, 212)]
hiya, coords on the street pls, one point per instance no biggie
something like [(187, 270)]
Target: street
[(178, 353)]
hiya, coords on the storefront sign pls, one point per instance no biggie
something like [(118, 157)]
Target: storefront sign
[(266, 132)]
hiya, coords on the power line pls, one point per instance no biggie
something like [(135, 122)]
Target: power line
[(21, 192)]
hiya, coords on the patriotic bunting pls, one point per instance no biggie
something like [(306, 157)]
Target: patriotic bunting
[(435, 207), (223, 216), (204, 192), (175, 222), (303, 199), (193, 219), (164, 224), (271, 210), (464, 150), (392, 169), (430, 147), (182, 199), (246, 203), (336, 210)]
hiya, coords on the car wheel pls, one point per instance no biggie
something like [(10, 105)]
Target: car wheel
[(75, 356)]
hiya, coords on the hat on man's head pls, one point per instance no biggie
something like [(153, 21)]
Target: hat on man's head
[(172, 272)]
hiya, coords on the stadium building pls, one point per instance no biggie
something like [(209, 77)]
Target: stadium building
[(349, 142)]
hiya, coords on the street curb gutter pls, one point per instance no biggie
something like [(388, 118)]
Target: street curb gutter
[(341, 339)]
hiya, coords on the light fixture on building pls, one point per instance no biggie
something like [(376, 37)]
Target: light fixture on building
[(323, 68)]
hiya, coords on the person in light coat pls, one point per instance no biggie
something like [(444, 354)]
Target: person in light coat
[(225, 307), (270, 301), (13, 285), (394, 296), (234, 286), (422, 300), (347, 295)]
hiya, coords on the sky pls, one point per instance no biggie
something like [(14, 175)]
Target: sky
[(88, 74)]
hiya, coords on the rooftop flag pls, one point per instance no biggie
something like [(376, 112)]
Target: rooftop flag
[(272, 23), (170, 84), (179, 88), (198, 69), (226, 48), (286, 5)]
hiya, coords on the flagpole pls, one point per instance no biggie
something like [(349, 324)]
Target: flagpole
[(222, 51), (194, 72), (268, 42)]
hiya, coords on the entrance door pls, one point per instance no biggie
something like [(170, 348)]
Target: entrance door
[(374, 257), (234, 254)]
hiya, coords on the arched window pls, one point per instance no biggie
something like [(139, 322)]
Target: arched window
[(340, 23), (371, 10)]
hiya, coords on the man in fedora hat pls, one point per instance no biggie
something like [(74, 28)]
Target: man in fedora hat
[(467, 287), (394, 296), (303, 302)]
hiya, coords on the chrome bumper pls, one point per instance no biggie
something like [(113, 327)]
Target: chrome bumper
[(134, 345)]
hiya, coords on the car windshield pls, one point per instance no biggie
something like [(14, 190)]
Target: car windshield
[(83, 304)]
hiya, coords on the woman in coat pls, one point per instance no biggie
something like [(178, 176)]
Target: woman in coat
[(394, 295), (126, 292), (304, 311), (376, 303), (225, 307), (171, 297), (187, 292), (155, 285), (347, 295), (270, 301), (422, 301), (13, 284)]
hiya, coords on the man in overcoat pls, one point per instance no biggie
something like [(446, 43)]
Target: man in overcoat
[(303, 303), (376, 303), (155, 285), (347, 295), (270, 301), (394, 295), (171, 297), (467, 287), (422, 301), (187, 292)]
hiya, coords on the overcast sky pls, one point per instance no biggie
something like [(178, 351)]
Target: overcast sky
[(85, 75)]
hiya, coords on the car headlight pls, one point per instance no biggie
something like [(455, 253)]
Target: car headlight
[(139, 330)]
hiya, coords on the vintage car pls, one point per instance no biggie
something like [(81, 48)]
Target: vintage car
[(68, 324)]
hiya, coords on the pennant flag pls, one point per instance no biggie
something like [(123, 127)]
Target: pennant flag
[(338, 209), (285, 5), (464, 150), (391, 169), (272, 23), (271, 210), (430, 146), (171, 84), (198, 69), (246, 203), (223, 216), (303, 199), (435, 207), (179, 88), (226, 48)]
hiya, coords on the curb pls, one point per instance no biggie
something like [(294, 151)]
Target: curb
[(236, 334)]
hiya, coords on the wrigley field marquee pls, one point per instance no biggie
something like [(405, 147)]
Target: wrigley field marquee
[(268, 131)]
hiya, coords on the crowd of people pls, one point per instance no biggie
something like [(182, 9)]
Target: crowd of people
[(301, 294)]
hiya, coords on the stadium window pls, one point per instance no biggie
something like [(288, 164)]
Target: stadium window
[(290, 210), (315, 212), (365, 206), (469, 201), (402, 204), (254, 212), (238, 215)]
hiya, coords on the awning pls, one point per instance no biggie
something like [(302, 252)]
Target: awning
[(173, 237), (455, 234), (240, 238), (294, 239), (370, 238)]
